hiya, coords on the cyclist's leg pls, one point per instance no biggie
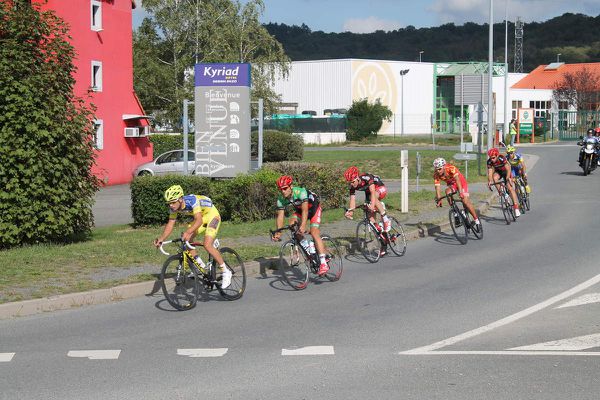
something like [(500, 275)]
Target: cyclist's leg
[(467, 199), (315, 231), (380, 193), (451, 189), (212, 222)]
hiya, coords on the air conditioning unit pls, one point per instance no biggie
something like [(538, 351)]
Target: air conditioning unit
[(132, 132)]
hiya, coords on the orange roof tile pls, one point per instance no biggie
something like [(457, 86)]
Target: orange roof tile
[(540, 78)]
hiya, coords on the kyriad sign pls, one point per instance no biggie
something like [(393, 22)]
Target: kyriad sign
[(222, 116)]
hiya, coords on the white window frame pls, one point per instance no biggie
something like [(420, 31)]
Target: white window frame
[(96, 15), (99, 134), (96, 81)]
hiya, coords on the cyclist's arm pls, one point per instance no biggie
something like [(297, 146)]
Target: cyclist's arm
[(508, 170), (438, 193), (279, 218), (373, 198), (490, 174), (351, 206), (523, 169)]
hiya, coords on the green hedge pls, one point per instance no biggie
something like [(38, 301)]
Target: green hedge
[(244, 198), (280, 146)]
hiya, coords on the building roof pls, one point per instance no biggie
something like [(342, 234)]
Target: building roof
[(545, 76)]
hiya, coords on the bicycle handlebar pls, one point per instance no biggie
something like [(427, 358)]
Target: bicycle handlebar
[(187, 244), (495, 184), (293, 227), (448, 195)]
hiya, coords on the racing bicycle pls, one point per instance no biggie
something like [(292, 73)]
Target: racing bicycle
[(182, 275), (461, 220), (296, 263), (506, 202), (373, 241)]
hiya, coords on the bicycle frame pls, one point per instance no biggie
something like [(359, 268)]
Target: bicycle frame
[(207, 273), (293, 228), (382, 235)]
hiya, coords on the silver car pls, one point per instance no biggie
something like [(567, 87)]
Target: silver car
[(170, 162)]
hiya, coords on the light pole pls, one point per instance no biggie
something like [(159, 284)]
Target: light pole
[(421, 52), (558, 57), (402, 73)]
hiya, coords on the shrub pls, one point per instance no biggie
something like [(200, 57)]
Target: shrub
[(280, 146), (46, 133), (163, 143), (249, 197), (365, 119)]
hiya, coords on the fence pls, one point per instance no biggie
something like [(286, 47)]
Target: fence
[(573, 124)]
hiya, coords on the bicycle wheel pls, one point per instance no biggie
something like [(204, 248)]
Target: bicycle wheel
[(333, 253), (397, 239), (180, 290), (458, 225), (477, 229), (520, 196), (238, 278), (526, 201), (511, 208), (293, 265), (368, 241), (505, 209)]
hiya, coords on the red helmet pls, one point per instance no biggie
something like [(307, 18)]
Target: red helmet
[(351, 173), (284, 181), (493, 152)]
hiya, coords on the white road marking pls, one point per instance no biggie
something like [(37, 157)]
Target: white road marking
[(308, 351), (571, 344), (95, 354), (511, 353), (6, 357), (504, 321), (585, 299), (217, 352)]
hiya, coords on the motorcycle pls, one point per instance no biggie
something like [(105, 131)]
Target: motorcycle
[(588, 156)]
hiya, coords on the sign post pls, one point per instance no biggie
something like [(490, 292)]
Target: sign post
[(525, 123), (222, 116), (404, 178)]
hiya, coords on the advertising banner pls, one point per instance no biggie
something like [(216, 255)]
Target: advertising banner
[(222, 119)]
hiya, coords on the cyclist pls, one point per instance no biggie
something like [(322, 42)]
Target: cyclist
[(306, 208), (499, 168), (206, 219), (374, 189), (456, 183), (517, 165)]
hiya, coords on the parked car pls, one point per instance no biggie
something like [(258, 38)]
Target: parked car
[(170, 162)]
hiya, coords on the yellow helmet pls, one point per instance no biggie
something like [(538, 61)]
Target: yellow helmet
[(173, 193), (510, 149)]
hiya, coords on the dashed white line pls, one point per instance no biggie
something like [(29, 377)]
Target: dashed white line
[(309, 351), (6, 357), (95, 354), (581, 300), (217, 352), (504, 321)]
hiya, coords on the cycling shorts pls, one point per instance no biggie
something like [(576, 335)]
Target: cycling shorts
[(517, 170), (211, 222), (315, 220), (381, 193), (463, 184)]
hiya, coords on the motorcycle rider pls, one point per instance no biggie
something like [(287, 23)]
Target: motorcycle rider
[(590, 138)]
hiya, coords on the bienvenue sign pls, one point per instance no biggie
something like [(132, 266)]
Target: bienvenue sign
[(222, 100)]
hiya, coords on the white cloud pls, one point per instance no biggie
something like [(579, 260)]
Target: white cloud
[(370, 24), (461, 11)]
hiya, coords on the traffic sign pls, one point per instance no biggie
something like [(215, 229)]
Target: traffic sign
[(465, 156)]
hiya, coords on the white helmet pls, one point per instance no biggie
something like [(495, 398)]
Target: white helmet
[(439, 163)]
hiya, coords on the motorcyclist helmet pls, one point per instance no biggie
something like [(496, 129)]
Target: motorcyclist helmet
[(590, 132)]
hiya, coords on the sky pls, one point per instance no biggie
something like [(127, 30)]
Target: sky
[(364, 16)]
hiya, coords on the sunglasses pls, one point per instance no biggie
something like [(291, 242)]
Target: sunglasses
[(283, 189)]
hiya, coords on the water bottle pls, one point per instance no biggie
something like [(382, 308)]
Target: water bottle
[(311, 247), (200, 264), (380, 226), (305, 245)]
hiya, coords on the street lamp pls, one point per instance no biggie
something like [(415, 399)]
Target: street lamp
[(558, 57), (421, 52), (402, 73)]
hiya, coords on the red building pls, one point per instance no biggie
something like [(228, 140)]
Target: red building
[(101, 32)]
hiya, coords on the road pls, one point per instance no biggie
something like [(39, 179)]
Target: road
[(446, 321)]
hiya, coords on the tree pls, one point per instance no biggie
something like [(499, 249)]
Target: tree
[(579, 89), (365, 119), (46, 133), (197, 31)]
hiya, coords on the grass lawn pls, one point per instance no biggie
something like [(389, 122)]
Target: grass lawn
[(412, 140), (386, 163)]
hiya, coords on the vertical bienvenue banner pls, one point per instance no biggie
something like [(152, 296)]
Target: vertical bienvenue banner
[(222, 119)]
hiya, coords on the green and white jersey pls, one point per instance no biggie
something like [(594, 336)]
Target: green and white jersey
[(299, 196)]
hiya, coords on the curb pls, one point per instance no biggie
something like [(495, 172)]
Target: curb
[(152, 288)]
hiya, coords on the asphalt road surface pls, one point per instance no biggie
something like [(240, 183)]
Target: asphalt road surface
[(514, 316)]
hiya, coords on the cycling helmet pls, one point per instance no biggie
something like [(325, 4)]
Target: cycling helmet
[(510, 149), (439, 163), (284, 181), (173, 193), (493, 152), (351, 174)]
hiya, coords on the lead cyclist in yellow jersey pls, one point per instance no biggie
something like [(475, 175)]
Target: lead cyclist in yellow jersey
[(206, 219)]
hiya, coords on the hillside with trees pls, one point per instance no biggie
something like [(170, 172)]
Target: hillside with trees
[(575, 36)]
